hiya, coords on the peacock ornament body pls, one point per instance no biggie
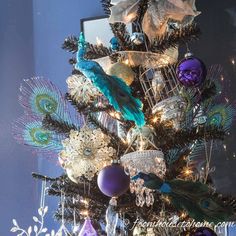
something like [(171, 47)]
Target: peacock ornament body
[(113, 88)]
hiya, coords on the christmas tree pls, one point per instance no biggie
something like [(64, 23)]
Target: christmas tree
[(140, 143)]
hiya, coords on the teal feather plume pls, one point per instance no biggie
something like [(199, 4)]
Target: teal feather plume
[(221, 115), (40, 97), (113, 88), (29, 131), (197, 154), (195, 198)]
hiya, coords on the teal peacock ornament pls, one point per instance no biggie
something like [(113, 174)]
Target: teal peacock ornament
[(193, 197), (113, 88), (40, 97), (29, 131), (221, 116)]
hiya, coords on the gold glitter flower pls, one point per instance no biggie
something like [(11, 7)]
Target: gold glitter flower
[(85, 153)]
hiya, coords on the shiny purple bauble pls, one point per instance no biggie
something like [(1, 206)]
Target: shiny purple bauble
[(204, 231), (191, 72), (113, 181)]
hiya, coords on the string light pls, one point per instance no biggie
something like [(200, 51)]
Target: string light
[(233, 61), (124, 141), (126, 62), (142, 143), (166, 199), (99, 41), (115, 115), (84, 201), (225, 147), (183, 215), (84, 213), (187, 171), (155, 119)]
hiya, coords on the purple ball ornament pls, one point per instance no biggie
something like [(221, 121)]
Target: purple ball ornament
[(113, 181), (204, 231), (191, 71)]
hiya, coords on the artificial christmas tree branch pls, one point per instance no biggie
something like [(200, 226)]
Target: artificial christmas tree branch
[(97, 202), (46, 178), (58, 126), (86, 108), (106, 4), (142, 8), (175, 38), (120, 32), (116, 142), (168, 138), (96, 51), (70, 44), (92, 51)]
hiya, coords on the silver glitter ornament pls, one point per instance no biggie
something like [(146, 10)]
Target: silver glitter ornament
[(137, 38)]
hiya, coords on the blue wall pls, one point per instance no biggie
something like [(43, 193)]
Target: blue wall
[(31, 34), (18, 192)]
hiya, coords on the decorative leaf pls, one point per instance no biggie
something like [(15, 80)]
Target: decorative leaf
[(45, 210), (59, 233), (15, 222), (35, 228), (30, 230), (44, 230), (14, 229), (40, 211), (35, 219)]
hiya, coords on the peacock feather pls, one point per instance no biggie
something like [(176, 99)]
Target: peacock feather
[(221, 116), (113, 88), (197, 154), (29, 131), (172, 155), (41, 97), (194, 197)]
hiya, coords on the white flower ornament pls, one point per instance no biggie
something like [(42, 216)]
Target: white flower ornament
[(85, 153)]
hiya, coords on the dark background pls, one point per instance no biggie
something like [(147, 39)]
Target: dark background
[(31, 33), (217, 45)]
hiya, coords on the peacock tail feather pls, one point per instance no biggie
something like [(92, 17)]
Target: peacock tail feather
[(113, 88), (195, 198), (41, 97), (172, 155), (221, 116), (197, 154), (29, 131)]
